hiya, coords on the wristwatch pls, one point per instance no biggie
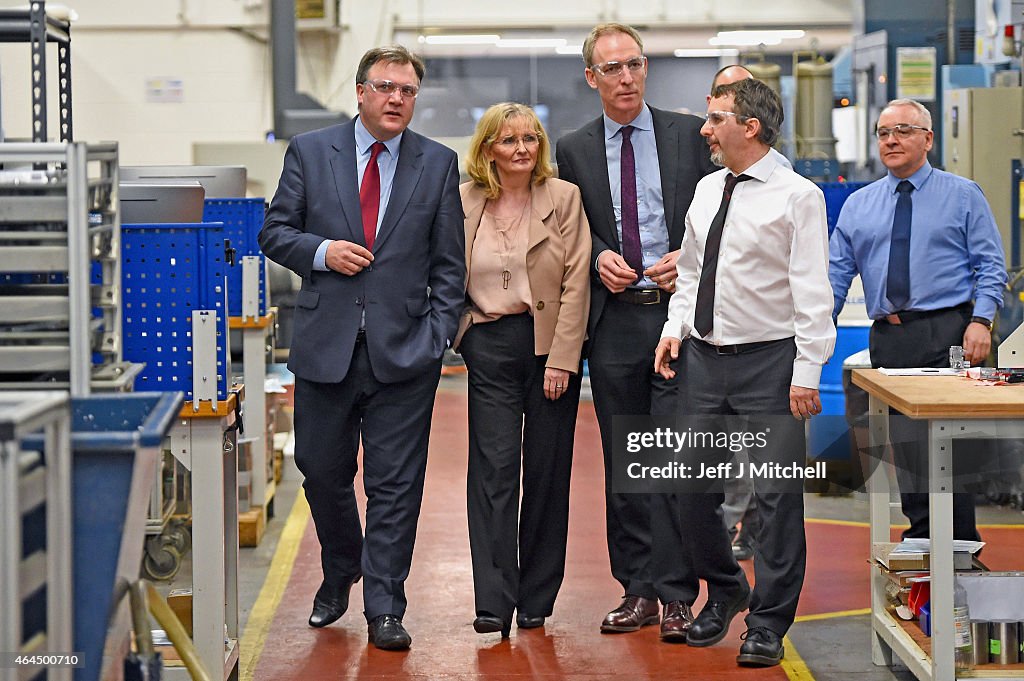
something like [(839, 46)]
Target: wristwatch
[(981, 320)]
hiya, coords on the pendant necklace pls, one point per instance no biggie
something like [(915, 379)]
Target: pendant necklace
[(507, 237)]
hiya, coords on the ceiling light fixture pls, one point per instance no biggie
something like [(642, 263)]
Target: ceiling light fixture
[(531, 42), (456, 39), (707, 52), (764, 37)]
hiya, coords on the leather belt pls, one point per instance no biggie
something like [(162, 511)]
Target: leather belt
[(642, 296), (739, 348), (897, 318)]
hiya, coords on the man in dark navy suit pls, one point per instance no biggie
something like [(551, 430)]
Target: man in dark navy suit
[(368, 214)]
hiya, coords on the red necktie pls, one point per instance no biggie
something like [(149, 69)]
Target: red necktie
[(369, 195)]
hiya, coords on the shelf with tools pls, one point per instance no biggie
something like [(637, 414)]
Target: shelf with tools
[(60, 320)]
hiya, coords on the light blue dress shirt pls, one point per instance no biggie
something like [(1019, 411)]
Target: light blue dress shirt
[(956, 253), (650, 201), (386, 161)]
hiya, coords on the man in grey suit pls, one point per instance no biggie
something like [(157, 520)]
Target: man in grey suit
[(636, 167), (368, 214)]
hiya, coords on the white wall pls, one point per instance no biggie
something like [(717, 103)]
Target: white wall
[(218, 49)]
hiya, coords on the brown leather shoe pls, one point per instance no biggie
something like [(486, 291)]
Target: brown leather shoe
[(634, 612), (675, 622)]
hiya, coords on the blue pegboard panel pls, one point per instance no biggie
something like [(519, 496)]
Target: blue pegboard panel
[(243, 219), (836, 194), (168, 270)]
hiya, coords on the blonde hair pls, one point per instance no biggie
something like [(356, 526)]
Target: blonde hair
[(487, 129)]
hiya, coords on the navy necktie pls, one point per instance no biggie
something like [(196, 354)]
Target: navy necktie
[(898, 280), (632, 252), (704, 313)]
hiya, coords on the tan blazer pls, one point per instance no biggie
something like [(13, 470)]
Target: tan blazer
[(557, 262)]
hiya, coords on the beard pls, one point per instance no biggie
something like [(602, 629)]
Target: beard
[(717, 158)]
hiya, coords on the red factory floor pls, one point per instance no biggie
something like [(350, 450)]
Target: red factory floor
[(279, 646)]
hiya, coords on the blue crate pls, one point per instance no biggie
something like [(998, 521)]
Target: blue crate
[(836, 194), (107, 434), (243, 220), (167, 271), (849, 340)]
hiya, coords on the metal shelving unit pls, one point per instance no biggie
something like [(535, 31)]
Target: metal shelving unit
[(35, 563), (60, 245), (33, 26)]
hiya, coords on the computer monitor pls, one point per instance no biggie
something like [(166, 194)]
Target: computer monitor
[(154, 203), (220, 182)]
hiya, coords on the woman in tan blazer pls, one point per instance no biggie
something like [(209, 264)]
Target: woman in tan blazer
[(527, 297)]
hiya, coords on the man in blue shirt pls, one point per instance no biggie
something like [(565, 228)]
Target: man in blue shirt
[(931, 259)]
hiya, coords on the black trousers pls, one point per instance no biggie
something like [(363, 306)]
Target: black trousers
[(754, 383), (623, 383), (921, 342), (518, 547), (393, 420)]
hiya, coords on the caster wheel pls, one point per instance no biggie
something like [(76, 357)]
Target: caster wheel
[(179, 537), (161, 561)]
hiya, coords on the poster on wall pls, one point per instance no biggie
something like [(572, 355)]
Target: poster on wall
[(915, 73)]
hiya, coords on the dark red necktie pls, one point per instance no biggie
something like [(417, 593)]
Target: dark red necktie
[(632, 251), (369, 195)]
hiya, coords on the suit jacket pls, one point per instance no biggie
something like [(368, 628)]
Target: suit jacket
[(411, 293), (557, 261), (684, 158)]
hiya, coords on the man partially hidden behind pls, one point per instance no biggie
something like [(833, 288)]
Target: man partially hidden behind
[(754, 304), (368, 214), (930, 256), (636, 167)]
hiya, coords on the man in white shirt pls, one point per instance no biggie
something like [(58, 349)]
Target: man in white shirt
[(754, 303)]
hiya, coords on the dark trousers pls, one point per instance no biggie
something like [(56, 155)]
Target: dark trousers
[(394, 422), (623, 383), (754, 383), (922, 342), (518, 548)]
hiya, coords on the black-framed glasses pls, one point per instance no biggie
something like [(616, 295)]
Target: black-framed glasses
[(387, 87), (615, 68), (528, 140), (901, 131), (717, 118)]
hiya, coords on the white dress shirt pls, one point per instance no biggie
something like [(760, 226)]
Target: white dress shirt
[(772, 279)]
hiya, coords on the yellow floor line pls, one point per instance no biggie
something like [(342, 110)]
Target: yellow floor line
[(856, 523), (794, 666), (827, 521), (262, 614), (831, 615)]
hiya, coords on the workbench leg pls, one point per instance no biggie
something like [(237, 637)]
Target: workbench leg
[(940, 508), (878, 507)]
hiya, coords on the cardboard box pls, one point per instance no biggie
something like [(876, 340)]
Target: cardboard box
[(180, 601)]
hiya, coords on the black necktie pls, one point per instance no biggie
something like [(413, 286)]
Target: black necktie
[(632, 251), (898, 281), (704, 314)]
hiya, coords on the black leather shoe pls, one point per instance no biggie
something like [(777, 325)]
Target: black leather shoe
[(330, 603), (387, 633), (529, 622), (742, 551), (712, 624), (676, 620), (489, 624), (761, 648)]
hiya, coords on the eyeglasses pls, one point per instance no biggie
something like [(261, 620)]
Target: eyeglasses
[(387, 87), (614, 68), (901, 131), (716, 118), (512, 142)]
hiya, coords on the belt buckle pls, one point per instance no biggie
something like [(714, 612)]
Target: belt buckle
[(893, 319), (653, 294), (727, 349)]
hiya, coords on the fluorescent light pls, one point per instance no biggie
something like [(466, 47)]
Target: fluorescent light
[(765, 37), (706, 52), (456, 39), (569, 49), (531, 42)]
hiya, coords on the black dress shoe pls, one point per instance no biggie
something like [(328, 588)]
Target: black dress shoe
[(761, 648), (387, 633), (528, 621), (489, 624), (330, 603), (712, 624), (742, 551)]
